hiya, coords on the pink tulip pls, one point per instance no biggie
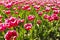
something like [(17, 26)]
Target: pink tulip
[(25, 7), (7, 12), (56, 11), (31, 17), (54, 8), (47, 9), (11, 35), (40, 13), (39, 22), (16, 13), (46, 16), (9, 5), (14, 8), (50, 18), (2, 27), (22, 21), (28, 26), (55, 16), (19, 7)]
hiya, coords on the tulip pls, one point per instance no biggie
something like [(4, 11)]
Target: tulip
[(31, 17), (7, 12), (2, 27), (11, 35), (55, 16), (50, 18), (28, 26), (40, 13), (16, 13), (39, 22), (47, 9), (46, 16), (56, 11), (14, 8), (9, 5)]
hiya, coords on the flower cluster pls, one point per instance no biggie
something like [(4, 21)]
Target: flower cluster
[(35, 16), (12, 22)]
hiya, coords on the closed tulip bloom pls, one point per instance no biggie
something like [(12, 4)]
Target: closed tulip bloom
[(39, 22), (2, 27), (11, 35), (31, 17), (54, 8), (56, 11), (50, 18), (19, 7), (14, 8), (36, 6), (9, 5), (28, 26), (47, 9), (25, 7), (46, 16), (7, 12), (16, 13), (40, 13), (22, 21), (55, 16)]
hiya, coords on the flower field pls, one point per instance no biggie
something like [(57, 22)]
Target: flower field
[(29, 19)]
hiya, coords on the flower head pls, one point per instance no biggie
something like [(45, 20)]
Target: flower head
[(40, 13), (2, 27), (31, 17), (28, 26), (11, 35), (39, 22)]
